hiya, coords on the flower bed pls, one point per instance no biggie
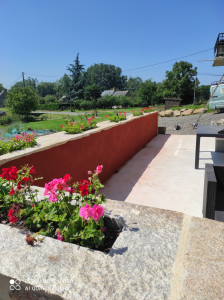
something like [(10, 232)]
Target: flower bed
[(72, 212), (117, 118), (78, 127), (19, 142)]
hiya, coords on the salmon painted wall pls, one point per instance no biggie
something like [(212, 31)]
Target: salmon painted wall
[(110, 148)]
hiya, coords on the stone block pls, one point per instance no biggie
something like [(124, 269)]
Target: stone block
[(187, 112)]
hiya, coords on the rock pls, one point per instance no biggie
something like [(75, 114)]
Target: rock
[(168, 113), (187, 112), (198, 110), (176, 113), (183, 109), (177, 127), (220, 122), (162, 114)]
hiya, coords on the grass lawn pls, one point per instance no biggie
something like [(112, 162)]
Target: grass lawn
[(55, 120)]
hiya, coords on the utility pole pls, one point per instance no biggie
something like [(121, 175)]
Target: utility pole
[(23, 79), (195, 82)]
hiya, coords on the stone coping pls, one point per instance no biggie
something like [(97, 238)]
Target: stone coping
[(59, 138), (160, 254)]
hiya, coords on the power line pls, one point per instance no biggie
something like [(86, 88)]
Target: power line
[(163, 62), (209, 74), (43, 75), (14, 81)]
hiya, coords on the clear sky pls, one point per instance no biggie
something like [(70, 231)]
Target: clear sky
[(42, 37)]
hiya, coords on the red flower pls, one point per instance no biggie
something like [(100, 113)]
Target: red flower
[(84, 187), (12, 192), (61, 126), (32, 170), (66, 177), (12, 218), (10, 173), (23, 182), (72, 191)]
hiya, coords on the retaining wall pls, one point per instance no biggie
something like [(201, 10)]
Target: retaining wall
[(110, 145)]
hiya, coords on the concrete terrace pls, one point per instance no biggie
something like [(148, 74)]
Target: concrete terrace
[(162, 174)]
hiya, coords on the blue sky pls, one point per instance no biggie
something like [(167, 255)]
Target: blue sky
[(42, 37)]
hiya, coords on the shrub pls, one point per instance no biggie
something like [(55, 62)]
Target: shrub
[(76, 104), (50, 99), (22, 100), (9, 118), (49, 106), (124, 101), (92, 92), (106, 101), (86, 105)]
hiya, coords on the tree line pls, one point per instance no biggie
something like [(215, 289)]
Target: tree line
[(82, 88)]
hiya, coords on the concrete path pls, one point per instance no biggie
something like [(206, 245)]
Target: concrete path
[(162, 174)]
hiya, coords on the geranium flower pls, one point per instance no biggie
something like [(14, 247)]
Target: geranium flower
[(10, 173), (12, 218), (55, 185), (84, 212), (99, 169), (61, 126), (96, 212), (32, 170), (12, 192), (59, 236), (23, 182), (83, 187)]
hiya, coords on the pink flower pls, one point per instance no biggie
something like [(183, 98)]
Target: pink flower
[(60, 236), (84, 212), (96, 212), (56, 185), (99, 169)]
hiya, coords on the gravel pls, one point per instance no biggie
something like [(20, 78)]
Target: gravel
[(186, 122)]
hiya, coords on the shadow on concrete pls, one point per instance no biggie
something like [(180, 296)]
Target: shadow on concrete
[(217, 158), (130, 173)]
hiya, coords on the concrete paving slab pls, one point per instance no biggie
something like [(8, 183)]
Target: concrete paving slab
[(162, 174)]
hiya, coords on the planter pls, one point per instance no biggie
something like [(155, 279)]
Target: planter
[(59, 270)]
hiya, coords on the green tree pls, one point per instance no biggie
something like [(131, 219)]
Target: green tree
[(32, 82), (133, 84), (105, 77), (180, 81), (92, 92), (64, 86), (77, 77), (46, 88), (1, 87), (147, 92), (203, 92), (22, 100)]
